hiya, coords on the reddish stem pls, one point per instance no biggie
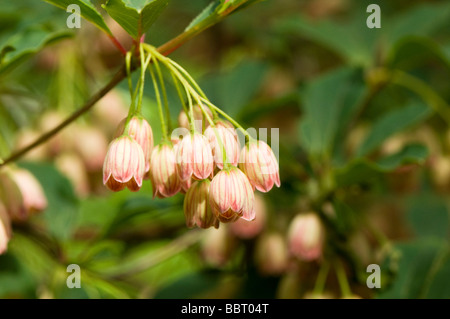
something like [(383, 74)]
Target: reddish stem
[(117, 44)]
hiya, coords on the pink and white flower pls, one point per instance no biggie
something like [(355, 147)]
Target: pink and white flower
[(124, 165), (221, 137), (306, 236), (231, 196), (196, 206), (164, 172), (194, 157), (259, 163)]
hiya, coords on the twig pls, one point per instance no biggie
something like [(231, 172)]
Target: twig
[(164, 49)]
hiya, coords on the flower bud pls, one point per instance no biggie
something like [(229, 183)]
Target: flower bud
[(217, 246), (194, 157), (228, 141), (72, 167), (231, 196), (272, 254), (306, 236), (141, 132), (5, 229), (196, 206), (124, 165), (34, 199), (12, 196), (249, 229), (163, 171), (22, 193), (92, 145), (259, 163)]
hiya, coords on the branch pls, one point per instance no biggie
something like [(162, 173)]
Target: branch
[(164, 49), (118, 77)]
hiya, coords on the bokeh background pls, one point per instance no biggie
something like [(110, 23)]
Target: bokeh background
[(364, 144)]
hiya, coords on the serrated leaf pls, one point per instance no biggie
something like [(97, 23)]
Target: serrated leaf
[(135, 16), (391, 123), (87, 11)]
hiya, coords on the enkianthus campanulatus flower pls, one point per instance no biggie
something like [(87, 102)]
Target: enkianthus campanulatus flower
[(202, 162)]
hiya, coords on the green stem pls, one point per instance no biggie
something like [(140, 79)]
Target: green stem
[(158, 100), (144, 65), (229, 118), (164, 92), (421, 88), (180, 94), (342, 279), (321, 278)]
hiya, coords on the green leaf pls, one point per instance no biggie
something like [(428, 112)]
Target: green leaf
[(362, 170), (329, 103), (432, 16), (413, 51), (135, 16), (428, 216), (87, 11), (391, 123), (62, 211), (215, 11), (410, 154), (23, 45), (234, 89), (207, 13), (422, 267), (352, 41)]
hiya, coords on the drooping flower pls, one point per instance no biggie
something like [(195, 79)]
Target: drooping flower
[(5, 229), (306, 236), (231, 196), (141, 132), (272, 254), (31, 195), (124, 165), (259, 163), (196, 206), (163, 171), (194, 157), (223, 137)]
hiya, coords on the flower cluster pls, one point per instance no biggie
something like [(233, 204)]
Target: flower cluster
[(206, 162), (217, 176)]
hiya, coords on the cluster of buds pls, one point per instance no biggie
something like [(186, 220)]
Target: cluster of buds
[(21, 195), (218, 178)]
